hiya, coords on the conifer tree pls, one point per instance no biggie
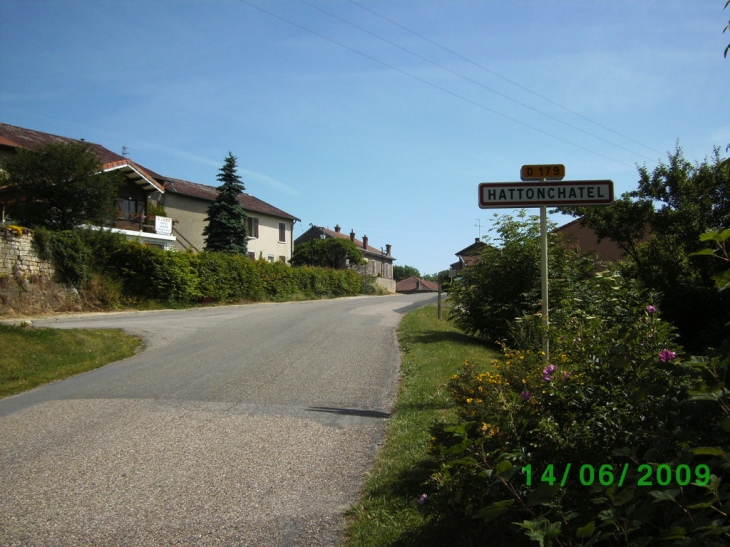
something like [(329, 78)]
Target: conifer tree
[(226, 229)]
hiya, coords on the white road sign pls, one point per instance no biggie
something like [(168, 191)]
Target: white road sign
[(553, 194)]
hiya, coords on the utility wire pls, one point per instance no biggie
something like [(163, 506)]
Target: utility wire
[(426, 82), (460, 56), (475, 82)]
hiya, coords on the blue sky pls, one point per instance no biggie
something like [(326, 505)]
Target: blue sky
[(380, 116)]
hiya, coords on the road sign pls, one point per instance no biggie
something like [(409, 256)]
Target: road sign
[(552, 194), (543, 172)]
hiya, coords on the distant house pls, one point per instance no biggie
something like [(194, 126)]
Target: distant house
[(468, 256), (270, 230), (379, 262), (185, 203), (585, 239), (411, 285)]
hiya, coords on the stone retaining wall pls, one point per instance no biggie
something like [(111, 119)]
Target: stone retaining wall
[(18, 257)]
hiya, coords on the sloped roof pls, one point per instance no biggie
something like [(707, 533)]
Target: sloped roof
[(209, 193), (20, 137), (473, 249), (358, 242), (416, 284), (11, 135)]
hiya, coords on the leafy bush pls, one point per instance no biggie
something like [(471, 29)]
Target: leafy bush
[(658, 225), (614, 397), (68, 253), (506, 283), (111, 270)]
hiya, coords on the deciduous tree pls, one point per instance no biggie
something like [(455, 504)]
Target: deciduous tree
[(673, 205), (402, 272), (327, 253), (58, 186)]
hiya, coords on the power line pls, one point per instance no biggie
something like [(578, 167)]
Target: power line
[(460, 56), (475, 82), (426, 82)]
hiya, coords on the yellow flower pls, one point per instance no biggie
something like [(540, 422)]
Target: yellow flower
[(455, 376), (469, 400)]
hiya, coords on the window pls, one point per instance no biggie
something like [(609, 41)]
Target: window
[(253, 226), (282, 258), (128, 209), (252, 255), (270, 258), (282, 232)]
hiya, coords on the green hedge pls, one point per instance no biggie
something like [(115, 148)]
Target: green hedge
[(180, 278)]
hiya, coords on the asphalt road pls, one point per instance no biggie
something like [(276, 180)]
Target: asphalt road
[(239, 425)]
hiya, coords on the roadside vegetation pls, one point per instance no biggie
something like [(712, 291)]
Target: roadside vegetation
[(34, 356), (620, 436), (100, 271), (389, 512)]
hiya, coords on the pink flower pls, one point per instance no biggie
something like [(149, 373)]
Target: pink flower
[(526, 395), (422, 499), (547, 373), (665, 355), (565, 375), (650, 309)]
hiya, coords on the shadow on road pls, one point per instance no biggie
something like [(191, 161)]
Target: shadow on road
[(350, 412)]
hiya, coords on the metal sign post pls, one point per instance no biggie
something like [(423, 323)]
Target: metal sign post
[(537, 191), (544, 282)]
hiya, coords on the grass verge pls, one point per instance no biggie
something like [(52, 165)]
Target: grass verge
[(35, 356), (388, 514)]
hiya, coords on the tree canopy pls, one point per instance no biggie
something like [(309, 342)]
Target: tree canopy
[(58, 186), (226, 230), (659, 225), (403, 272), (327, 253)]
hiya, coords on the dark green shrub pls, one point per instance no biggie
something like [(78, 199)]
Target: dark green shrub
[(226, 277), (67, 251)]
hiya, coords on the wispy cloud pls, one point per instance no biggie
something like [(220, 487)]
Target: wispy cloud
[(278, 185)]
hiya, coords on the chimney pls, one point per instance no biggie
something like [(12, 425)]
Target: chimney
[(476, 240), (352, 236), (387, 249), (365, 242), (337, 228)]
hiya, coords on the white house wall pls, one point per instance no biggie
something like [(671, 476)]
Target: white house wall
[(188, 219), (267, 245), (190, 215)]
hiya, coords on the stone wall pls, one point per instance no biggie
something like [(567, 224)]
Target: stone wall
[(18, 257), (27, 285)]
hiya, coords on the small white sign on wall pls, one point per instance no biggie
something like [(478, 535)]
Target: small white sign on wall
[(163, 225)]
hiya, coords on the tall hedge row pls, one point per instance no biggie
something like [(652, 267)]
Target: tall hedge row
[(179, 278)]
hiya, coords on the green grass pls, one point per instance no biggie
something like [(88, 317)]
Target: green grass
[(34, 356), (388, 514)]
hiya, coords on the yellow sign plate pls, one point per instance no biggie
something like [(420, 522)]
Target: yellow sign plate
[(543, 172)]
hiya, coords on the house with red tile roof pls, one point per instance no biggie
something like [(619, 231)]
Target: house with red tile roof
[(468, 256), (411, 285), (378, 262), (270, 230), (185, 203), (140, 187), (584, 238)]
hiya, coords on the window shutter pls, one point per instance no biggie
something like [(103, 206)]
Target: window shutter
[(282, 232)]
